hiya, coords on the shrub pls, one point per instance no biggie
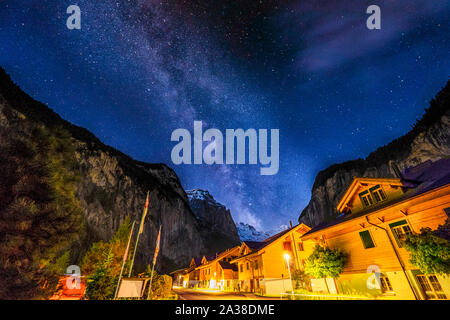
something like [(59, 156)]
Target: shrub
[(430, 251), (161, 285), (302, 280), (325, 262)]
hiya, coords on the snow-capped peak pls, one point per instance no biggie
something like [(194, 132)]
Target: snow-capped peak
[(248, 232), (203, 195)]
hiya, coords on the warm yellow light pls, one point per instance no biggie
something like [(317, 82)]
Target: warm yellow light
[(287, 256)]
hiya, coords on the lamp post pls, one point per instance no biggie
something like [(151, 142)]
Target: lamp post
[(287, 257)]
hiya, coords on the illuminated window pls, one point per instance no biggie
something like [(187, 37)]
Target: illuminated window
[(287, 246), (385, 284), (431, 286), (377, 193), (400, 230), (366, 239), (366, 198)]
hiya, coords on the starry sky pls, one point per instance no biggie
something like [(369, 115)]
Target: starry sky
[(139, 69)]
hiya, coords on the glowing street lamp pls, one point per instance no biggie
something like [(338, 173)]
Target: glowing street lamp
[(287, 257)]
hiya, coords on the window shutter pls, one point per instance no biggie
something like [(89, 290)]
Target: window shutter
[(366, 239), (398, 223)]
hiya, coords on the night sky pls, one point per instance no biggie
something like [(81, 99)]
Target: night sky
[(137, 70)]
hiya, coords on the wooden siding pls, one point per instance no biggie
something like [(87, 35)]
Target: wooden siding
[(423, 211)]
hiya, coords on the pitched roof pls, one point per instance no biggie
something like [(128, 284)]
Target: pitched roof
[(227, 265), (184, 270), (425, 177), (198, 261), (218, 256), (354, 185), (254, 245), (259, 245)]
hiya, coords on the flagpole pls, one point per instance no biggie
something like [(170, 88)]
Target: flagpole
[(149, 295), (134, 254), (139, 234), (125, 256)]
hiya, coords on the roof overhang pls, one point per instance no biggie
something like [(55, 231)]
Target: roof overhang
[(377, 212), (357, 182), (247, 256), (300, 228)]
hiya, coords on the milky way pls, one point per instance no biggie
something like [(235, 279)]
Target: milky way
[(139, 69)]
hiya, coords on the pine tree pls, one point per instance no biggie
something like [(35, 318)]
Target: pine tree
[(102, 264), (40, 216), (102, 283)]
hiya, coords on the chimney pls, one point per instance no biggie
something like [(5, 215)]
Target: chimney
[(290, 223)]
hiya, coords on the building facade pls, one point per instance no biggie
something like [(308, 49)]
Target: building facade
[(266, 267), (216, 272), (376, 216)]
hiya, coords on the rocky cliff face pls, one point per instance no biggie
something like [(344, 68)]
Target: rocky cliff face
[(113, 186), (428, 140), (215, 218)]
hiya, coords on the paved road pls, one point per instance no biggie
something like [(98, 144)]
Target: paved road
[(189, 294)]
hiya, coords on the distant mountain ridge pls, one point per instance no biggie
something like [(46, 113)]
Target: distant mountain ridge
[(202, 196), (428, 140), (248, 232)]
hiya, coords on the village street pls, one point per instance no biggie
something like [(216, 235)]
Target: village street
[(189, 294)]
